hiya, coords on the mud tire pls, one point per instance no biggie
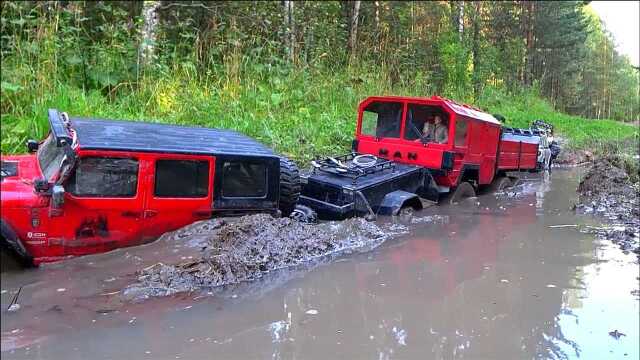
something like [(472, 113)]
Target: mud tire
[(405, 214), (290, 186), (464, 191), (304, 214), (499, 184)]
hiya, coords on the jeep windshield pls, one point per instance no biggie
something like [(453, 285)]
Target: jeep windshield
[(50, 157)]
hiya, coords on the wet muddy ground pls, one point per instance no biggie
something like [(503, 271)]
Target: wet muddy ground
[(609, 192), (244, 249), (513, 276)]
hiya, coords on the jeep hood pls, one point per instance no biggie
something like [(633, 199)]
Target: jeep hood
[(16, 186)]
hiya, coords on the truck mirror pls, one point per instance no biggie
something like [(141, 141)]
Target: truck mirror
[(57, 196), (32, 145)]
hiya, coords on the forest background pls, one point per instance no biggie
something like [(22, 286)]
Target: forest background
[(291, 73)]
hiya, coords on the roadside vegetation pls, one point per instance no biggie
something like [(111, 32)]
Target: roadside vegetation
[(293, 79)]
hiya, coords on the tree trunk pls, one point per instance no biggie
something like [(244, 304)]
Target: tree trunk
[(149, 29), (289, 38), (477, 17), (353, 30), (377, 18), (528, 14), (376, 45), (460, 19)]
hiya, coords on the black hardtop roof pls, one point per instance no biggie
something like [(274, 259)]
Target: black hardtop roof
[(100, 134)]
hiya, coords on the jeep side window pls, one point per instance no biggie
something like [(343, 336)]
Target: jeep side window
[(104, 177), (244, 180), (382, 119), (181, 178)]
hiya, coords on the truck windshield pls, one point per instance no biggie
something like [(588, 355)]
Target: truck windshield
[(49, 157), (382, 119)]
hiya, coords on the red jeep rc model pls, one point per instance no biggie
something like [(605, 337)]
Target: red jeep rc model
[(95, 185)]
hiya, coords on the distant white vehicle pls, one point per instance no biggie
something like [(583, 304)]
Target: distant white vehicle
[(545, 153)]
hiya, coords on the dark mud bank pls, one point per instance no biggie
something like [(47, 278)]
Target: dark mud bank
[(608, 192), (247, 248), (573, 157)]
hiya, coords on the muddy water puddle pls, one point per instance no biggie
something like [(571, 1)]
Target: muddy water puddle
[(509, 278)]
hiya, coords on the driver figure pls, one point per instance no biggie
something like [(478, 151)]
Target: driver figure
[(435, 129), (441, 131), (429, 128)]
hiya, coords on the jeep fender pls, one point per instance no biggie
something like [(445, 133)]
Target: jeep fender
[(396, 200), (13, 240)]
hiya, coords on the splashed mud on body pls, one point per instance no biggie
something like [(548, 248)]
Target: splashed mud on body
[(246, 248)]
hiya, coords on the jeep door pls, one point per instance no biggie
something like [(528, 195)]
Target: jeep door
[(179, 192), (102, 208)]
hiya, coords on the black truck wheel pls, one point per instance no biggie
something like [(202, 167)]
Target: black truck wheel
[(499, 184), (405, 214), (463, 191), (289, 186)]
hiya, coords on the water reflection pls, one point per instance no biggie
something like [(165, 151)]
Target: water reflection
[(489, 280)]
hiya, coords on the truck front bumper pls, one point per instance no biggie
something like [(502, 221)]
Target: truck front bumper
[(327, 210)]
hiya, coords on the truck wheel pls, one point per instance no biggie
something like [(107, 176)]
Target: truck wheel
[(500, 184), (405, 214), (304, 214), (463, 191), (289, 186)]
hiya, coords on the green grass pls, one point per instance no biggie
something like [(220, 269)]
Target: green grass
[(522, 109), (300, 113)]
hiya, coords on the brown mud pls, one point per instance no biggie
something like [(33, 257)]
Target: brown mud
[(505, 276), (244, 249), (572, 157), (607, 191)]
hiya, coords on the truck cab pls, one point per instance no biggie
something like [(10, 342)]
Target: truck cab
[(94, 185), (394, 128)]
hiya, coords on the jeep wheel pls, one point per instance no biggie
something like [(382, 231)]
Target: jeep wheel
[(304, 214), (463, 191), (289, 186)]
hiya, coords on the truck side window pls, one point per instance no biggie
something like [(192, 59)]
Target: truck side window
[(242, 180), (182, 178), (420, 122), (382, 119), (104, 177), (461, 132)]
